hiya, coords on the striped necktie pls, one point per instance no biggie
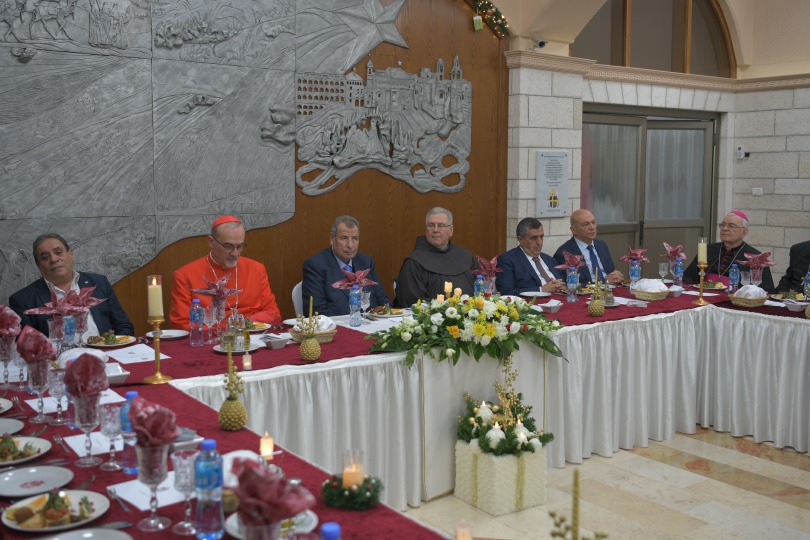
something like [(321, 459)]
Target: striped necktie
[(543, 273)]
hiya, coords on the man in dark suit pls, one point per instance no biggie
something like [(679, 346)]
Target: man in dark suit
[(325, 268), (595, 252), (54, 259), (797, 268), (525, 267)]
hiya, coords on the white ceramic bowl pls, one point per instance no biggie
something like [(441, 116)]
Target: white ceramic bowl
[(797, 306), (675, 292), (115, 373), (275, 343), (551, 308)]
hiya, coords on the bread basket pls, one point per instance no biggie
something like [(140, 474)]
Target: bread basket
[(748, 302), (321, 337), (650, 296)]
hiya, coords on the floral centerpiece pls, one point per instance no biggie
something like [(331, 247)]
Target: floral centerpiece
[(481, 325)]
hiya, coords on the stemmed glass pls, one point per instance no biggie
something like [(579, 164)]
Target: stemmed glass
[(57, 390), (663, 270), (745, 279), (756, 276), (183, 464), (152, 470), (21, 364), (81, 326), (86, 410), (219, 314), (365, 300), (56, 332), (38, 380), (111, 428), (209, 318), (6, 354)]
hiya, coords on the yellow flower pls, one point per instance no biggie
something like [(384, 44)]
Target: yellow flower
[(491, 330), (479, 303), (479, 329), (501, 306), (454, 331), (513, 314)]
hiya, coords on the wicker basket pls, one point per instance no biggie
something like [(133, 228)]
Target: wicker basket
[(748, 302), (650, 296), (322, 337)]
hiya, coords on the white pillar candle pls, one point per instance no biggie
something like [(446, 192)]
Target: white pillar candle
[(266, 447), (495, 435), (484, 413), (154, 296)]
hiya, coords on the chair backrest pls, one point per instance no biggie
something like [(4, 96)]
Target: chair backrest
[(298, 302)]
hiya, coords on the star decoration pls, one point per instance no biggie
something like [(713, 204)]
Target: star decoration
[(373, 24)]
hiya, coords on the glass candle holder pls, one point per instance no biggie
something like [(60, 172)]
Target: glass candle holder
[(353, 471)]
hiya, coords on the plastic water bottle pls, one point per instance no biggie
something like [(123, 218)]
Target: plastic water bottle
[(196, 317), (635, 274), (69, 339), (355, 303), (733, 278), (806, 287), (210, 521), (129, 457), (572, 282), (480, 286), (677, 272), (330, 531)]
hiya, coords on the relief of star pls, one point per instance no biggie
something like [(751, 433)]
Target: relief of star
[(372, 24)]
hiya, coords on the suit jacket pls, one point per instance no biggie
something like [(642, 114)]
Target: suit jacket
[(321, 271), (797, 268), (108, 315), (519, 274), (602, 251), (713, 255)]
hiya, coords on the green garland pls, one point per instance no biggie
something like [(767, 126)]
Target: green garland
[(361, 497), (492, 16)]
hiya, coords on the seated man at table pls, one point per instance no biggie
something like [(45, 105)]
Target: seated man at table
[(731, 249), (797, 268), (54, 259), (325, 268), (595, 252), (226, 242), (434, 261), (525, 267)]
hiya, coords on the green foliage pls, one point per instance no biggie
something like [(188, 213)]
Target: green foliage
[(361, 497)]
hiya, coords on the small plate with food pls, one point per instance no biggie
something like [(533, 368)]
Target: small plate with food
[(711, 286), (255, 327), (15, 450), (385, 312), (169, 335), (253, 347), (780, 297), (56, 511), (109, 340)]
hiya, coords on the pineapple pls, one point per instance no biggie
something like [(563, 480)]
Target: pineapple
[(807, 312), (310, 349), (232, 415), (596, 308)]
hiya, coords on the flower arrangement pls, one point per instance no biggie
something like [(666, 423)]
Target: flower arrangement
[(480, 325), (358, 497)]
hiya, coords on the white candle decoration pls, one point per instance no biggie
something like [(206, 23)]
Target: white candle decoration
[(448, 287), (485, 413), (495, 435), (440, 297), (521, 429), (266, 446), (353, 475), (154, 292), (457, 292), (702, 250), (247, 362)]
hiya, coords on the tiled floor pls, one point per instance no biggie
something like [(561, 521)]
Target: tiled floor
[(707, 485)]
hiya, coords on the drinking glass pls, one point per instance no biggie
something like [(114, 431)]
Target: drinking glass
[(745, 279), (663, 270), (209, 318), (57, 390), (219, 315), (21, 364), (111, 428), (38, 380), (756, 276), (152, 470), (7, 351), (56, 332), (183, 464), (86, 410), (365, 300), (81, 326)]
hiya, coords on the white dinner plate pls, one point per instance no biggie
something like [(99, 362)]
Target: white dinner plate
[(254, 346), (33, 480), (403, 313), (5, 405), (668, 281), (258, 327), (541, 294), (305, 522), (290, 322), (169, 334), (123, 341), (90, 534), (100, 506), (40, 444), (10, 426)]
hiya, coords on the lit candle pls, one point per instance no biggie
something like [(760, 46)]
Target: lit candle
[(353, 475), (440, 297), (484, 413), (701, 255), (266, 447), (448, 287), (457, 291), (154, 291), (520, 428), (495, 435), (463, 531), (247, 362)]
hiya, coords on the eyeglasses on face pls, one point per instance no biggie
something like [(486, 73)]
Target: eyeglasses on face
[(732, 226), (439, 226), (230, 247)]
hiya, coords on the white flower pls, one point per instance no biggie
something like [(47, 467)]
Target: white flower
[(437, 319), (489, 309), (450, 353), (555, 323), (451, 313), (434, 329), (466, 334), (472, 314), (514, 328), (406, 336), (485, 339)]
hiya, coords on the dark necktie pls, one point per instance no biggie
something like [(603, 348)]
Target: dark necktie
[(543, 273), (594, 262)]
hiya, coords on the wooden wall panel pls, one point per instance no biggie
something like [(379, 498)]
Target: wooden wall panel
[(391, 213)]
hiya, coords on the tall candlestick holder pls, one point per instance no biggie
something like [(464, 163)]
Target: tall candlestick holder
[(700, 301), (157, 377)]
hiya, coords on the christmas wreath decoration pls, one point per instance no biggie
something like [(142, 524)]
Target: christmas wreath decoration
[(357, 497)]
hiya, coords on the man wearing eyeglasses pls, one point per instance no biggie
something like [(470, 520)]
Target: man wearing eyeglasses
[(434, 261), (226, 243), (730, 250)]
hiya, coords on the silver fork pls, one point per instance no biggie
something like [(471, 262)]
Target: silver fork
[(58, 440), (86, 483), (16, 401), (37, 432), (114, 496)]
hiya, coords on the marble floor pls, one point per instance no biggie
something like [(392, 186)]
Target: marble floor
[(702, 486)]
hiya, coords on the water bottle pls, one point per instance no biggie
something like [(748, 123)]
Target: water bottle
[(210, 520), (635, 274), (355, 302), (480, 287), (69, 339), (733, 278), (806, 287), (677, 272), (330, 531), (572, 282), (129, 457), (196, 317)]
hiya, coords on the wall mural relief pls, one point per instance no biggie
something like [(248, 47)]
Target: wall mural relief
[(126, 125)]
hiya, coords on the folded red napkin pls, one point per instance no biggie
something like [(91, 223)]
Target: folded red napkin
[(153, 424), (635, 255), (34, 346), (674, 253), (487, 268), (72, 302), (354, 278), (86, 376), (9, 322), (265, 496), (217, 289), (757, 260), (571, 260)]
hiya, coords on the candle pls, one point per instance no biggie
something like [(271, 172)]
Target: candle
[(701, 256), (457, 291), (266, 447), (247, 362), (463, 531), (440, 297), (495, 435), (448, 287), (484, 413), (353, 475), (154, 292)]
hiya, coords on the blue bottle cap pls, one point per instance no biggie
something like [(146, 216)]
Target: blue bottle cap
[(355, 286), (195, 301), (734, 266), (330, 530), (480, 276), (132, 394), (208, 445)]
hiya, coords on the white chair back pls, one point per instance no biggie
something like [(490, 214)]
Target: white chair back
[(298, 302)]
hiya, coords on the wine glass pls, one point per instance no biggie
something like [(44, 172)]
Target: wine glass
[(7, 351), (57, 390), (183, 464), (38, 380), (209, 318), (365, 300), (81, 326), (56, 332), (756, 276), (111, 428), (152, 470), (745, 279), (21, 364), (663, 270), (86, 410)]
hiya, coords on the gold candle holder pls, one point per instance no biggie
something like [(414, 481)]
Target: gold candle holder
[(157, 377), (700, 301)]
